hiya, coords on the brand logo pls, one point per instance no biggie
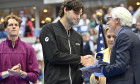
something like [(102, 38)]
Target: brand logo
[(47, 39), (77, 43)]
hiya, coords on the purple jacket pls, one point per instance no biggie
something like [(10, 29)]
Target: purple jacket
[(22, 53)]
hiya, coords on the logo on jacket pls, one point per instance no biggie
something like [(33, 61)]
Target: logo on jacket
[(77, 43), (47, 39)]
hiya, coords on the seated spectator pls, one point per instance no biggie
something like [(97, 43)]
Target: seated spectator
[(88, 46), (3, 33), (93, 35), (131, 10), (84, 20), (92, 24)]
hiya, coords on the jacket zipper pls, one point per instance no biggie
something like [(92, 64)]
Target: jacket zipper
[(68, 33)]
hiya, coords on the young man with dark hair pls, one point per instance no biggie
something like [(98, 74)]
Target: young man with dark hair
[(63, 46)]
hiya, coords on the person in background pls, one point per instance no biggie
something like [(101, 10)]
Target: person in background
[(29, 28), (88, 45), (39, 53), (93, 35), (131, 10), (17, 59), (122, 5), (93, 21), (110, 36), (3, 34), (108, 13), (84, 20), (134, 20), (23, 24), (103, 16)]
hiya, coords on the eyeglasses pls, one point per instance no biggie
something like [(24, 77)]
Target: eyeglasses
[(109, 36), (108, 18)]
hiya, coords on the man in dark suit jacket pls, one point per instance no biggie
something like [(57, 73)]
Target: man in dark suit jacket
[(124, 67)]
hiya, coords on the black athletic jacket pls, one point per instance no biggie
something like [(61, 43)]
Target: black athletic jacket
[(62, 51)]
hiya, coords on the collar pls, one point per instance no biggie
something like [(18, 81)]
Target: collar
[(61, 25), (9, 42), (118, 31), (63, 28)]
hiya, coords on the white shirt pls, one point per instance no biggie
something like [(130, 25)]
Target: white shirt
[(38, 47)]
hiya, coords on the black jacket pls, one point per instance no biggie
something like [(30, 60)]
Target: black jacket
[(62, 51)]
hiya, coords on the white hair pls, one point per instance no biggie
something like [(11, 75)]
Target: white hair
[(123, 14), (86, 34)]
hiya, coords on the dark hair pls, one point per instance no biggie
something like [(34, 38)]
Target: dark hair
[(36, 39), (11, 16), (28, 18), (70, 5)]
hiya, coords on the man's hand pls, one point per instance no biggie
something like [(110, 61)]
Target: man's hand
[(15, 70), (5, 74), (88, 60)]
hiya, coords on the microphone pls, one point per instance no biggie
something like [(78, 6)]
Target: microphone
[(99, 56)]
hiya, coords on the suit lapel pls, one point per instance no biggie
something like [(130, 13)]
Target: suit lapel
[(113, 51)]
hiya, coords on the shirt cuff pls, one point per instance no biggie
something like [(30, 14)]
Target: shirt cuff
[(27, 77), (30, 77)]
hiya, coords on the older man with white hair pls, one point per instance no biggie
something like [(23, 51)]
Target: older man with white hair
[(124, 67), (124, 62)]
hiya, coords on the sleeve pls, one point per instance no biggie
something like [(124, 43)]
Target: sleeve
[(1, 76), (1, 48), (121, 64), (51, 51), (81, 48), (32, 68)]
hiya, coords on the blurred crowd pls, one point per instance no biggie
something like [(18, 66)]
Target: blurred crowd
[(26, 29), (88, 27)]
